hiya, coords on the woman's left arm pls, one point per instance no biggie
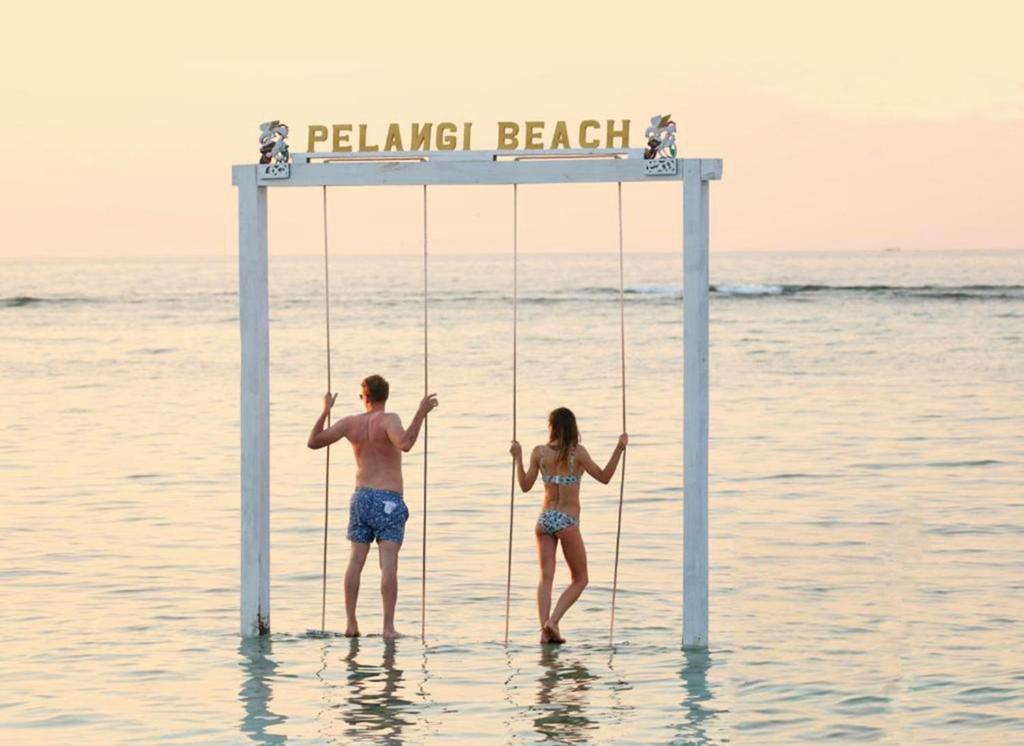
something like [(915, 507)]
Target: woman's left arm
[(604, 476)]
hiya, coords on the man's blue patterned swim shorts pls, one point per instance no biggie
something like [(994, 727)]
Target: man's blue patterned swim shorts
[(376, 515)]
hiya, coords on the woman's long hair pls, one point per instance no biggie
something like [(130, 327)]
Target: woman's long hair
[(562, 424)]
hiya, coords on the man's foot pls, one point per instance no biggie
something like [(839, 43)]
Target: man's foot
[(391, 634), (352, 630), (550, 631)]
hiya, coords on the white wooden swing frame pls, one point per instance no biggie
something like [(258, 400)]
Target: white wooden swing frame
[(473, 167)]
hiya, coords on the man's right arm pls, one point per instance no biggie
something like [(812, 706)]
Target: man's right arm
[(318, 437)]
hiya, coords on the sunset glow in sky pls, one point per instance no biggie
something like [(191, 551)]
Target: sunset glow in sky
[(878, 125)]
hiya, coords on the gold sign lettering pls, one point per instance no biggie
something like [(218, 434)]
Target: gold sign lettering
[(508, 135), (339, 138), (446, 136), (317, 133), (363, 146), (394, 139), (561, 136), (534, 133), (585, 141), (622, 134), (420, 136)]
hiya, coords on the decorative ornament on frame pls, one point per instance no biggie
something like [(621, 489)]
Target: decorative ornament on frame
[(274, 153), (660, 154)]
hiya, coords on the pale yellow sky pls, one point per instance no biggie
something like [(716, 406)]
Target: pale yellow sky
[(854, 126)]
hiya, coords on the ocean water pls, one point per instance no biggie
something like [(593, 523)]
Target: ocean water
[(866, 503)]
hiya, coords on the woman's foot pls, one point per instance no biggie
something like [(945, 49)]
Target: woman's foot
[(352, 630), (549, 634), (391, 634)]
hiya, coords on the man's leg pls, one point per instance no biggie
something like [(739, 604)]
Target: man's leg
[(388, 551), (356, 561)]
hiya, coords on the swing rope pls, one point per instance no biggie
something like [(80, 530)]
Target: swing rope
[(327, 463), (426, 424), (622, 477), (515, 335)]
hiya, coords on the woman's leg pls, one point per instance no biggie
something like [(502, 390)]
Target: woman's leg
[(576, 557), (546, 548)]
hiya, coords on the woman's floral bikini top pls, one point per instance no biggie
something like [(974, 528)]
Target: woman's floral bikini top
[(568, 479)]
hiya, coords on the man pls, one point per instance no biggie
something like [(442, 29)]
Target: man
[(377, 511)]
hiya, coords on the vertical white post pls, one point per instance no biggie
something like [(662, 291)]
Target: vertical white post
[(695, 402), (254, 321)]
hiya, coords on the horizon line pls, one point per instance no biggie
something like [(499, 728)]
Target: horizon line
[(563, 252)]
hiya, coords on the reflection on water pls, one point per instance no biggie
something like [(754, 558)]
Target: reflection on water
[(372, 702), (696, 696), (563, 698), (257, 691), (360, 701)]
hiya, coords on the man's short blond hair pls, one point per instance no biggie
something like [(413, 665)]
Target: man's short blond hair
[(376, 388)]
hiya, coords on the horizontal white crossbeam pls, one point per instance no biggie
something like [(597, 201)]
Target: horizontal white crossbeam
[(469, 155), (522, 167)]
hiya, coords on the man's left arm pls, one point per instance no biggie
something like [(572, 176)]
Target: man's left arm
[(406, 439)]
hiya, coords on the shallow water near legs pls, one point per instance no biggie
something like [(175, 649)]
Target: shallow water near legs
[(405, 691)]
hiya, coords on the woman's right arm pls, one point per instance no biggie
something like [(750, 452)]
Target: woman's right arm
[(526, 477)]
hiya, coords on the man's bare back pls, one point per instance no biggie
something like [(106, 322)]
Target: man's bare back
[(378, 455), (377, 437)]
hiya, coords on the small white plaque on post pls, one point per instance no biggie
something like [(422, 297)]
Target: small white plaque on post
[(274, 170), (660, 167)]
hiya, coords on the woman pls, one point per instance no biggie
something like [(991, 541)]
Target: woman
[(561, 463)]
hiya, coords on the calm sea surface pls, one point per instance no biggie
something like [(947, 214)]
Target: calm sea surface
[(866, 509)]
